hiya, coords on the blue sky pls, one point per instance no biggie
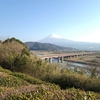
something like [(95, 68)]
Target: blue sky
[(33, 20)]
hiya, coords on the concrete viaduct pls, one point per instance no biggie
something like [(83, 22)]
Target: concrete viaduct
[(61, 57)]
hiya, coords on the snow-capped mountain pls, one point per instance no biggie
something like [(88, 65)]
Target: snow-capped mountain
[(54, 36), (55, 39)]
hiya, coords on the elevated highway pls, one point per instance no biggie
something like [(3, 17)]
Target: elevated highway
[(61, 57)]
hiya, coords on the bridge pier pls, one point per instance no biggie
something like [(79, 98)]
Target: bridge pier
[(58, 59), (50, 60), (77, 56), (46, 59), (70, 57), (62, 59), (67, 57)]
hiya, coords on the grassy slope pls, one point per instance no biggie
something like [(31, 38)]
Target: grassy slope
[(18, 86)]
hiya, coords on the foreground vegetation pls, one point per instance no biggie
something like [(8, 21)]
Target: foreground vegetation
[(18, 86), (26, 77)]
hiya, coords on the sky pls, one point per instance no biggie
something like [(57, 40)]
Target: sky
[(33, 20)]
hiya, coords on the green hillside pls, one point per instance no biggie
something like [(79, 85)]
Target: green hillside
[(26, 77), (18, 86), (47, 47)]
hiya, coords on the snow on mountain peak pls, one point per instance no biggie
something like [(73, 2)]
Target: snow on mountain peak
[(54, 36)]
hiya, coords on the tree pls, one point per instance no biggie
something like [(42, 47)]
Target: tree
[(94, 72), (10, 50)]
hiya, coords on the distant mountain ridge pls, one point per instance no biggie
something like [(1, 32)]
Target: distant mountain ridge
[(57, 40), (47, 47)]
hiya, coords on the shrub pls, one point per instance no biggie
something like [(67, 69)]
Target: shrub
[(11, 81), (28, 78)]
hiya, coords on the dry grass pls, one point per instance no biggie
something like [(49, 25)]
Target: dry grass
[(91, 60), (10, 91), (3, 75)]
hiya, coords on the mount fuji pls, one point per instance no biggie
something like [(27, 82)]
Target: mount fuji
[(57, 40), (54, 36)]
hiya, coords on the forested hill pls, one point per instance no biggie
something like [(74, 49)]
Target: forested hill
[(47, 47)]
